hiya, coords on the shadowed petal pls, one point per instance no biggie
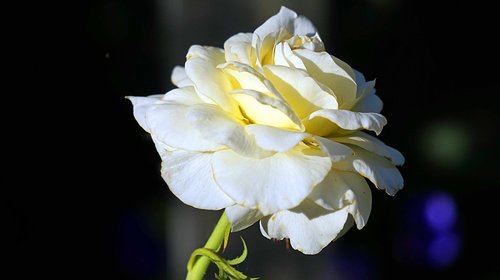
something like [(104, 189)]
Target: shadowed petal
[(372, 144), (335, 150), (367, 101), (309, 226), (241, 217), (342, 189), (380, 171), (353, 120)]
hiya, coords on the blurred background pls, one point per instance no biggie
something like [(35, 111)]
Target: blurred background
[(103, 210)]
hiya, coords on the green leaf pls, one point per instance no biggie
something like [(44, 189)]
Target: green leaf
[(226, 269), (242, 257)]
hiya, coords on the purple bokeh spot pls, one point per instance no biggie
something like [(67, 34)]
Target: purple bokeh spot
[(440, 212), (443, 249)]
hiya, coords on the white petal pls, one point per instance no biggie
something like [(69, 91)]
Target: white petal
[(342, 189), (189, 176), (309, 226), (241, 217), (239, 48), (284, 56), (319, 126), (180, 78), (249, 78), (303, 26), (270, 184), (210, 82), (275, 139), (323, 68), (219, 127), (168, 124), (359, 77), (380, 171), (279, 27), (285, 22), (372, 144), (141, 106), (279, 55), (301, 91), (368, 101), (264, 109), (347, 226), (353, 120), (186, 96), (313, 43), (292, 58), (348, 69), (336, 151)]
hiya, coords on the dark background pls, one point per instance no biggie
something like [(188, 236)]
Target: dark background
[(83, 189)]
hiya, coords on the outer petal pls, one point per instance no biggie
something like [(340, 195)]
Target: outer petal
[(301, 91), (336, 151), (141, 106), (347, 226), (180, 78), (381, 172), (367, 101), (309, 226), (348, 190), (239, 48), (348, 69), (189, 176), (270, 184), (168, 124), (323, 68), (241, 217), (186, 96), (372, 144), (209, 81), (219, 127), (353, 120), (275, 139), (370, 102)]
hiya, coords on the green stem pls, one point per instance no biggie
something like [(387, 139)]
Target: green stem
[(214, 242)]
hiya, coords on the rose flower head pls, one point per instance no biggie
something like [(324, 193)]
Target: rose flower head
[(273, 128)]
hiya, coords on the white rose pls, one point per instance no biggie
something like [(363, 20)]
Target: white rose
[(270, 128)]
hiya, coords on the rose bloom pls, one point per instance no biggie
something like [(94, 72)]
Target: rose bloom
[(270, 128)]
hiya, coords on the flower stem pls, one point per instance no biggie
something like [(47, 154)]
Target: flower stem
[(214, 242)]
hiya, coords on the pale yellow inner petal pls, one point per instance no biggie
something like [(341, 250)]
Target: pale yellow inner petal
[(262, 112)]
